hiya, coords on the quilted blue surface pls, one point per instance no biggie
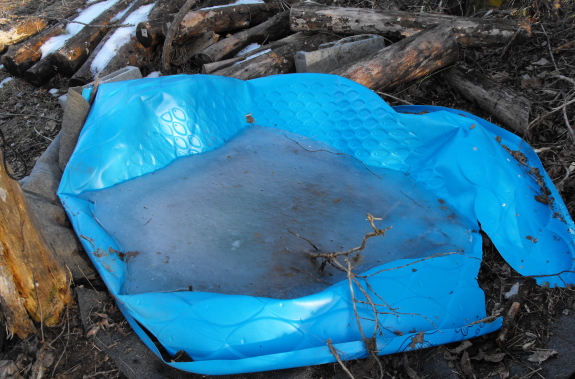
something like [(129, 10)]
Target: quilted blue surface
[(484, 172)]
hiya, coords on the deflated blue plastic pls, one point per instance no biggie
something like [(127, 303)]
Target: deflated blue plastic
[(484, 172)]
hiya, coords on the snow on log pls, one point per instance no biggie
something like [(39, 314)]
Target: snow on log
[(273, 29), (21, 57), (470, 32), (510, 108), (224, 19), (406, 60), (20, 31), (276, 61), (76, 50), (117, 50), (32, 282)]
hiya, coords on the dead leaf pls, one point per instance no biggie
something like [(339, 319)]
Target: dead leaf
[(541, 355), (8, 369), (497, 357), (531, 82), (542, 62), (479, 356), (417, 339), (528, 345), (466, 366), (464, 345), (95, 329)]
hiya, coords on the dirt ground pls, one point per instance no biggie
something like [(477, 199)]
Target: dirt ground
[(541, 70)]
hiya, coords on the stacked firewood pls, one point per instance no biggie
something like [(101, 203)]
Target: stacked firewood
[(211, 38)]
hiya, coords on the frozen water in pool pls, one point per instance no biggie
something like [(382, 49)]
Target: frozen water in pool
[(226, 220)]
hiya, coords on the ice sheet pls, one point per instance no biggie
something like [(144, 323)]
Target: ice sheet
[(225, 221)]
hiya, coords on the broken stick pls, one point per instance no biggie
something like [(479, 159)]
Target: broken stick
[(277, 61), (273, 29), (209, 68)]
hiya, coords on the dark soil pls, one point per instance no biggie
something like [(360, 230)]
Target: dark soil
[(30, 118)]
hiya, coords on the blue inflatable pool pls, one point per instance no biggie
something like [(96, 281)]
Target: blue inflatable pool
[(218, 212)]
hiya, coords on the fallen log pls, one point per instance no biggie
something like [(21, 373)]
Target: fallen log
[(406, 60), (130, 53), (224, 19), (20, 58), (470, 32), (509, 107), (152, 32), (40, 73), (75, 50), (273, 29), (20, 31), (208, 68), (277, 61), (33, 282), (68, 58), (182, 54)]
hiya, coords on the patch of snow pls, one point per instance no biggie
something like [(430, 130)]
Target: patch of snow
[(155, 74), (253, 56), (248, 48), (5, 81), (238, 2), (120, 37), (87, 16), (121, 14)]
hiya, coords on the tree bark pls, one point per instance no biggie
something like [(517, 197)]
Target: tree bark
[(173, 30), (130, 54), (22, 30), (142, 56), (20, 58), (277, 61), (509, 107), (224, 19), (470, 32), (273, 29), (32, 282), (182, 54), (153, 31), (209, 68), (40, 73), (406, 60), (70, 57)]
